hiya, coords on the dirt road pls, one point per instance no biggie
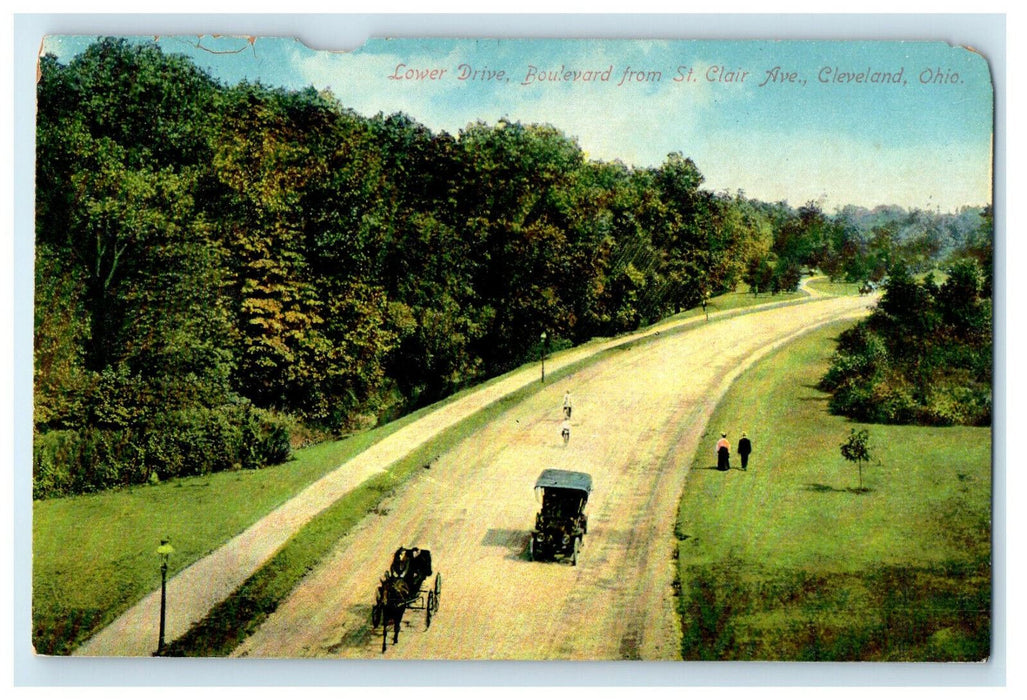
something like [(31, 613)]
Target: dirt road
[(638, 417)]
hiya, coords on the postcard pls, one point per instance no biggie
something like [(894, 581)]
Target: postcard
[(513, 349)]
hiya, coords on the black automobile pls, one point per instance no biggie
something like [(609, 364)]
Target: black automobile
[(562, 522)]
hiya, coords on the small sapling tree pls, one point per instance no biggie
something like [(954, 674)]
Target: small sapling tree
[(857, 449)]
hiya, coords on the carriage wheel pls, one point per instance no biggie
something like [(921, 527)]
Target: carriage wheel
[(577, 548), (531, 549), (438, 589), (429, 607)]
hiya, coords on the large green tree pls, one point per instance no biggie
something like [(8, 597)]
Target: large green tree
[(117, 209), (512, 198), (129, 258)]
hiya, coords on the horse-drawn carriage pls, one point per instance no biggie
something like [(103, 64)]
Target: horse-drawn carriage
[(402, 588), (562, 522)]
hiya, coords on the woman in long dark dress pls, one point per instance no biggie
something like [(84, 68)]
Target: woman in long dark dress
[(723, 453)]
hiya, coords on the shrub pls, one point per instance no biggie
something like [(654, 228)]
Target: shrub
[(185, 442), (924, 356), (51, 459), (893, 402), (957, 405), (193, 441), (265, 439), (861, 358)]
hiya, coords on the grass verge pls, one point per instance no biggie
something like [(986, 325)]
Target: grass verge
[(826, 286), (790, 561), (231, 621), (742, 298)]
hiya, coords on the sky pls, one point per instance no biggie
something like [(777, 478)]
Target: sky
[(836, 122)]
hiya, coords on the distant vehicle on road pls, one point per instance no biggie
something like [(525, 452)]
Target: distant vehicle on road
[(562, 522)]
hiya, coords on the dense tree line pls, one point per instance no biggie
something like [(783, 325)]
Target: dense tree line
[(220, 269)]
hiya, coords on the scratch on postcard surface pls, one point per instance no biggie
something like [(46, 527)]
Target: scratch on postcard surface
[(251, 40)]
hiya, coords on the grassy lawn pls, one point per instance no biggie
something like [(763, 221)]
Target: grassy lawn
[(95, 555), (742, 298), (789, 561), (826, 286)]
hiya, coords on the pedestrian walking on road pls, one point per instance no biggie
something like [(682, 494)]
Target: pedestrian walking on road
[(744, 450), (567, 404), (723, 452), (565, 431)]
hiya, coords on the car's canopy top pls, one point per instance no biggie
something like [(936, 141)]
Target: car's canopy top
[(564, 479)]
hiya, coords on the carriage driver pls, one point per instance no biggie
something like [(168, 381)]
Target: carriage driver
[(413, 560), (421, 561)]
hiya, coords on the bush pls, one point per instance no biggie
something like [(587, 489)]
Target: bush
[(51, 459), (893, 402), (193, 441), (265, 439), (185, 442), (861, 358), (957, 405), (924, 356)]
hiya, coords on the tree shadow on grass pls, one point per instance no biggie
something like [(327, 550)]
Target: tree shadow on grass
[(818, 394), (824, 488)]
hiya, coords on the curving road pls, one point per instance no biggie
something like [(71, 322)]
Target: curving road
[(639, 415)]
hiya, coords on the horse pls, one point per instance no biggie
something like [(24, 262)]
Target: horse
[(393, 596)]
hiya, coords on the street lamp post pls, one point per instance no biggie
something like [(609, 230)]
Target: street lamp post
[(164, 551), (543, 339)]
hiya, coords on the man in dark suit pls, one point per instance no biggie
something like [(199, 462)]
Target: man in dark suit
[(744, 449)]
